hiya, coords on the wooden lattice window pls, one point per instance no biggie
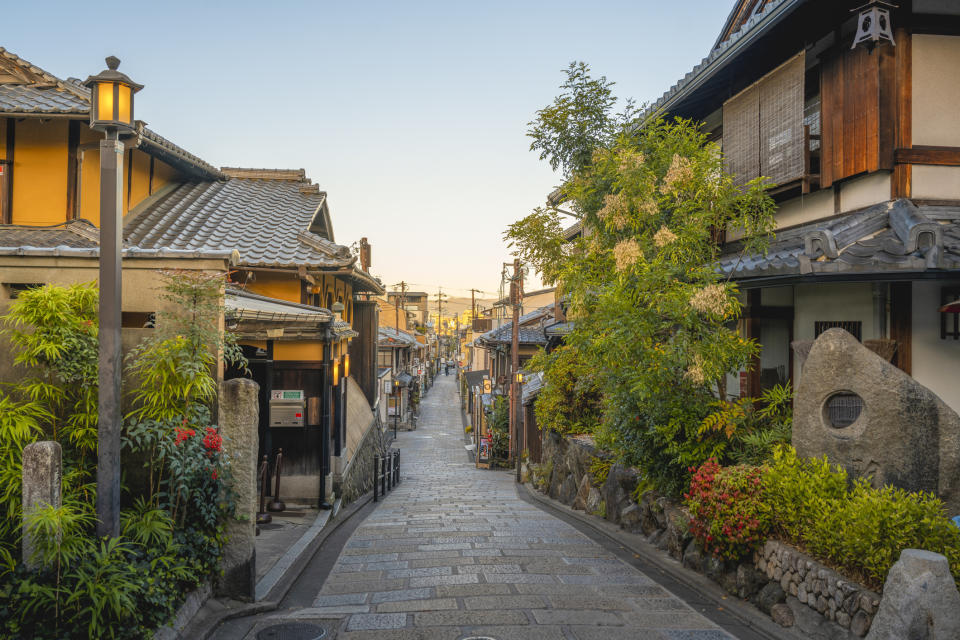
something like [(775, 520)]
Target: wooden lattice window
[(853, 327), (949, 322)]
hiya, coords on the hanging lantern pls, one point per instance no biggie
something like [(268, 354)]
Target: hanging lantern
[(111, 98), (873, 24)]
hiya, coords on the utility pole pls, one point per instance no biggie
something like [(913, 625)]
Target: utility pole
[(397, 304), (516, 293)]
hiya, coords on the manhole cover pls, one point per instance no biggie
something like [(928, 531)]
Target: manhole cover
[(292, 631)]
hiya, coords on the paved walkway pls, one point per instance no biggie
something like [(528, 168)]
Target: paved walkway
[(452, 553)]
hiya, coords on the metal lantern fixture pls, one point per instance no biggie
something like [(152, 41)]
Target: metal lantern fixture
[(346, 365), (111, 98), (873, 24), (520, 377), (336, 372)]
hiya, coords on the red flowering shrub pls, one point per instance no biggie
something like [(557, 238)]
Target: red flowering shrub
[(212, 440), (183, 434), (728, 516)]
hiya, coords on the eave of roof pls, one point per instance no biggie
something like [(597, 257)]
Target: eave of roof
[(722, 55)]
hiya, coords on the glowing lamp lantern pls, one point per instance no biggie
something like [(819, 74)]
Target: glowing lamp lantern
[(346, 365), (336, 372), (111, 98), (520, 377), (873, 24)]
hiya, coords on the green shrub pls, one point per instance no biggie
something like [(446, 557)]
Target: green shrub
[(867, 529), (729, 518), (800, 491), (599, 470)]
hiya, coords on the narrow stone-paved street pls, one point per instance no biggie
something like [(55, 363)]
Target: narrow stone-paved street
[(453, 553)]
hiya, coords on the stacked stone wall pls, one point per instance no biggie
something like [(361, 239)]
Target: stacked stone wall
[(357, 478), (780, 580)]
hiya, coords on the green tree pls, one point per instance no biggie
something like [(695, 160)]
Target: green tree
[(654, 319)]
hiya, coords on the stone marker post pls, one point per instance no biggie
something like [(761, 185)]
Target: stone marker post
[(41, 485), (239, 421)]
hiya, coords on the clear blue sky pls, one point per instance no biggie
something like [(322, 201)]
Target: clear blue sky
[(411, 115)]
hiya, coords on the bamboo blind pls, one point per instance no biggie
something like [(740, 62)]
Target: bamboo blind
[(763, 126)]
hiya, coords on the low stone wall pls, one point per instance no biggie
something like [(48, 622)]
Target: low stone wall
[(794, 589), (357, 478)]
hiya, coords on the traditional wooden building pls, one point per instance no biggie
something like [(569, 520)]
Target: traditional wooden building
[(293, 289), (863, 143)]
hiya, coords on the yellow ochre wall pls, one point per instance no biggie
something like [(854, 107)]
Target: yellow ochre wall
[(40, 173), (286, 286)]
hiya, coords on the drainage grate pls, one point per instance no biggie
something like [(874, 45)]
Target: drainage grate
[(292, 631)]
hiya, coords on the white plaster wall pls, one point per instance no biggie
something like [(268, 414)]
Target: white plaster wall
[(936, 90), (806, 208), (831, 301), (865, 191), (936, 362), (936, 183), (777, 296)]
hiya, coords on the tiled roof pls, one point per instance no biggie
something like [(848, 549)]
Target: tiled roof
[(474, 378), (531, 329), (244, 305), (558, 329), (76, 234), (895, 236), (531, 387), (266, 221), (390, 337)]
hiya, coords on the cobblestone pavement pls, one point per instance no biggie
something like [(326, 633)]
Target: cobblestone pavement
[(452, 553)]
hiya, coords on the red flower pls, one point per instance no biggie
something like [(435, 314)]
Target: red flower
[(212, 440), (214, 474), (183, 434)]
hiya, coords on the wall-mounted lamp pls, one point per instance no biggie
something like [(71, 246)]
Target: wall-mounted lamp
[(336, 372), (873, 24), (346, 365)]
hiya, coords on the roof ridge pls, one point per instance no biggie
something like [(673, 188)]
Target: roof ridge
[(249, 173), (49, 77)]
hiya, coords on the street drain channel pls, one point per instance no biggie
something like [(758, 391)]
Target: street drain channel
[(292, 631)]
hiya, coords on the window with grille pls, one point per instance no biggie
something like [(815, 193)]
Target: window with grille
[(763, 126), (853, 327)]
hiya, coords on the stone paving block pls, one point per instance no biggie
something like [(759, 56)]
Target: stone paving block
[(660, 604), (616, 633), (587, 601), (366, 621), (472, 553), (577, 616), (356, 576), (346, 598), (464, 618), (360, 558), (429, 555), (418, 573), (671, 620), (433, 581), (337, 587), (697, 634), (518, 633), (401, 594), (386, 566), (520, 578), (553, 589), (334, 610), (435, 604), (463, 590), (453, 546), (489, 568), (505, 602), (440, 562), (606, 579)]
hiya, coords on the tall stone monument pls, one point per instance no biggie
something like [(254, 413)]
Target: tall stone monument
[(238, 421), (42, 473), (869, 416)]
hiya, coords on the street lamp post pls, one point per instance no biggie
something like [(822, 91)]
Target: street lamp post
[(111, 112), (518, 408), (396, 406)]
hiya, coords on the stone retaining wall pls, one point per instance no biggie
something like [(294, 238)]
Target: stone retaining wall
[(781, 581), (357, 478)]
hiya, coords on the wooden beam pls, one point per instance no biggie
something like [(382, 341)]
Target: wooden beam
[(73, 162), (150, 183), (931, 155), (901, 184), (6, 207)]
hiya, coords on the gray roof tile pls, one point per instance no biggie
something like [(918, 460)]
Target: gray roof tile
[(266, 221)]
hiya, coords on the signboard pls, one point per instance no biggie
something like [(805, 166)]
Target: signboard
[(487, 385), (483, 453), (281, 394)]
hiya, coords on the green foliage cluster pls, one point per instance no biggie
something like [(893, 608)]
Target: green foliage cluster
[(755, 426), (499, 422), (172, 535), (861, 529), (654, 322), (569, 401), (600, 470)]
